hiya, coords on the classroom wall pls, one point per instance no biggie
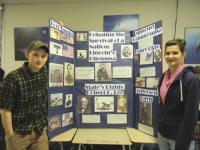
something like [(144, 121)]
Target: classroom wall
[(89, 16)]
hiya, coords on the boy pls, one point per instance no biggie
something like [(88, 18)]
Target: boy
[(23, 101)]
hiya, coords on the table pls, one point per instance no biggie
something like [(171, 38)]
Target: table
[(106, 136), (64, 137), (137, 136), (102, 136)]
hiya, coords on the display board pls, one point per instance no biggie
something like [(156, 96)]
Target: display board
[(147, 44), (92, 78)]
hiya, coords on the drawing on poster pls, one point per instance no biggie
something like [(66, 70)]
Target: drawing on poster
[(146, 58), (122, 103), (84, 104), (104, 103), (152, 82), (55, 75), (81, 54), (54, 123), (68, 100), (81, 37), (139, 82), (56, 48), (69, 74), (67, 119), (56, 99), (54, 34), (103, 72)]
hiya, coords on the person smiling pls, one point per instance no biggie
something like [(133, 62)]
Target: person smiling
[(179, 93), (23, 100)]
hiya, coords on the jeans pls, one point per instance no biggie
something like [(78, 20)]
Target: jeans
[(169, 144)]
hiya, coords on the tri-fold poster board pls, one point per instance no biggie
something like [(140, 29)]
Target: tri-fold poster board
[(103, 79)]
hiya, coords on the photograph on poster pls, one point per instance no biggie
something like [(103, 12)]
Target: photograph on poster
[(55, 34), (152, 82), (81, 54), (54, 123), (192, 37), (91, 118), (104, 103), (23, 37), (84, 104), (139, 82), (145, 113), (122, 103), (67, 119), (84, 73), (56, 99), (157, 55), (146, 57), (116, 118), (55, 75), (81, 37), (68, 100), (122, 72), (69, 74), (103, 72), (56, 49), (121, 22), (127, 51)]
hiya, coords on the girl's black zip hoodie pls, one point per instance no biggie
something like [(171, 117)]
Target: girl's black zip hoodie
[(179, 113)]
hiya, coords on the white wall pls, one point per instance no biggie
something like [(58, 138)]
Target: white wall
[(89, 16)]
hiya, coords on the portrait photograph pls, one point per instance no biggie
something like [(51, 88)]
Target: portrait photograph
[(121, 103), (127, 51), (68, 100), (145, 113), (103, 72), (69, 74), (157, 55), (84, 104)]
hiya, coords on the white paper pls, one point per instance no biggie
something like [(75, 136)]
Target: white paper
[(84, 73), (117, 119), (148, 72), (91, 119), (122, 72)]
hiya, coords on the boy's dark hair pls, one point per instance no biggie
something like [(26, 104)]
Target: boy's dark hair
[(180, 42)]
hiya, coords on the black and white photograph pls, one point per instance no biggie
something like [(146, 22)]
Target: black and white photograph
[(84, 104), (103, 72)]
